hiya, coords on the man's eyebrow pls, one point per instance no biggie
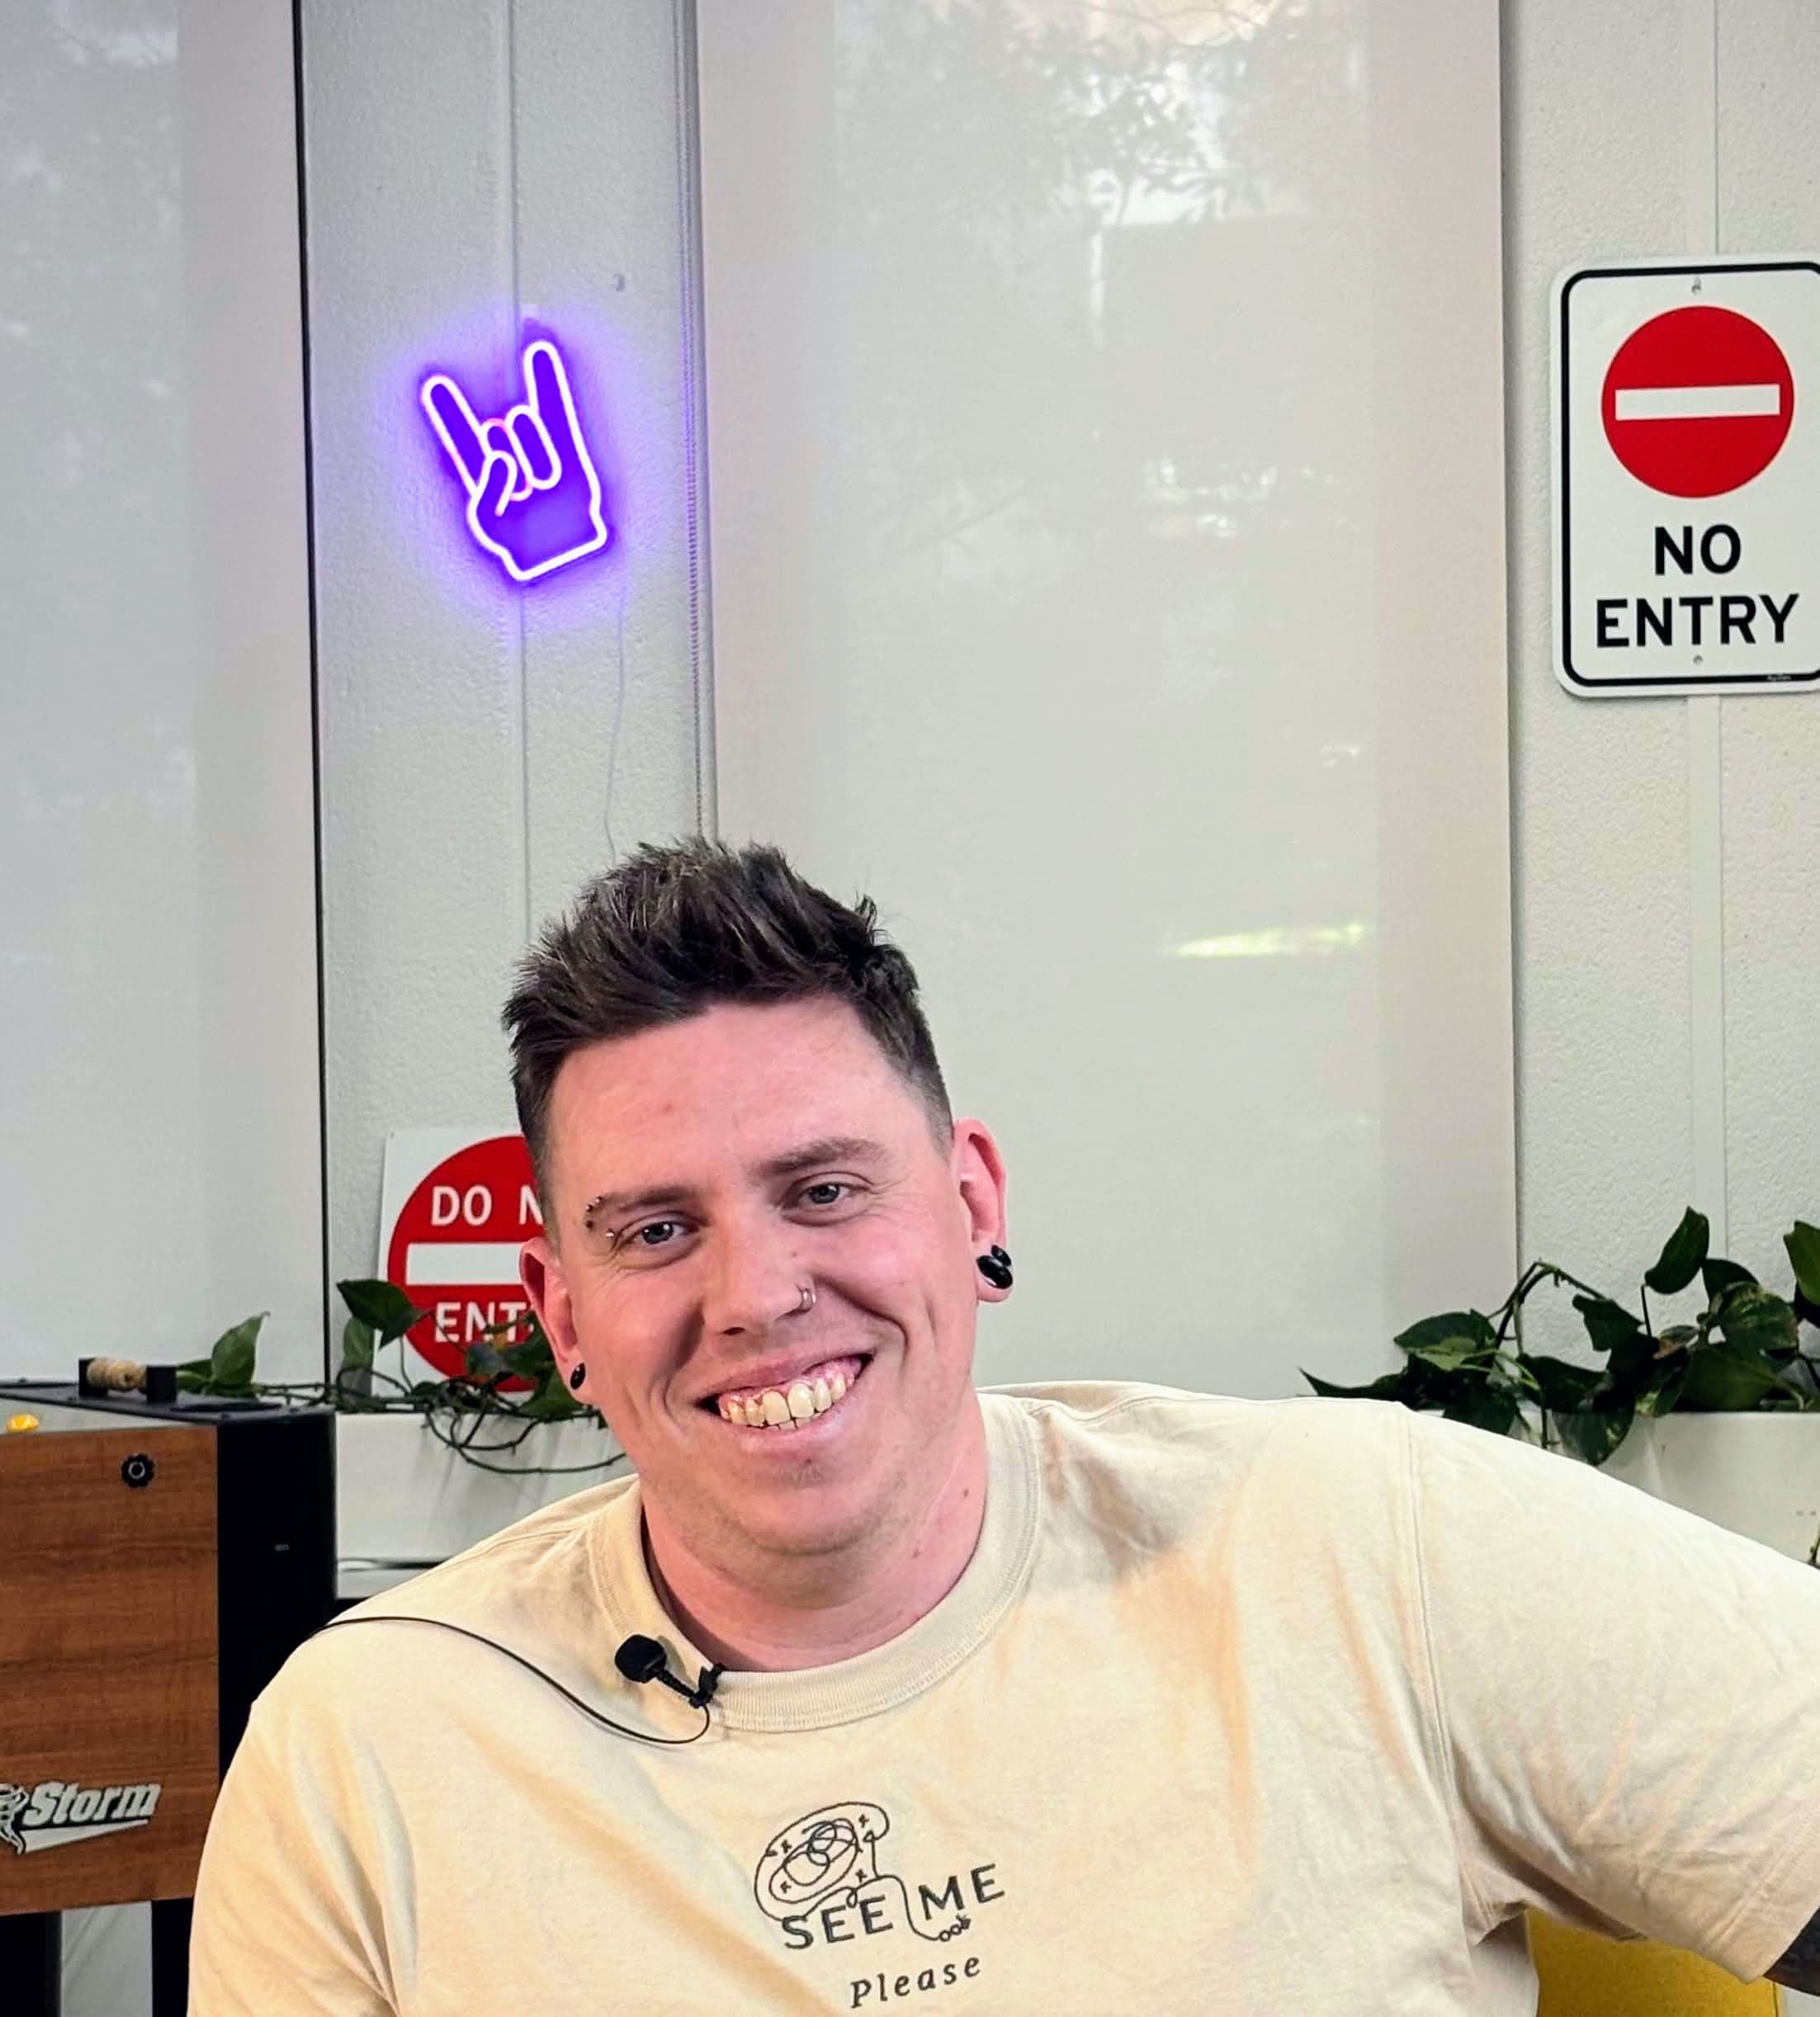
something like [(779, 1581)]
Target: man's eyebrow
[(827, 1148)]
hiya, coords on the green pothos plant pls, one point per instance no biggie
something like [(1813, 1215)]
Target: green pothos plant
[(458, 1409), (1742, 1351)]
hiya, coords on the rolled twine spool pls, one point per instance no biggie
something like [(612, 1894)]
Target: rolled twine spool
[(116, 1376)]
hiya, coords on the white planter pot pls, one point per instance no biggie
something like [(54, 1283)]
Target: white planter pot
[(1758, 1475), (402, 1496)]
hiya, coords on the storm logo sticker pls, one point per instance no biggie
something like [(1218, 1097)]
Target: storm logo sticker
[(56, 1812)]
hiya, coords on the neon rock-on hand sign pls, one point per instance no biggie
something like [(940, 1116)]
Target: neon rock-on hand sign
[(533, 498)]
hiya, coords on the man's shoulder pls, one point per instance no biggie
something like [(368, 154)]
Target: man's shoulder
[(1316, 1451), (1136, 1411)]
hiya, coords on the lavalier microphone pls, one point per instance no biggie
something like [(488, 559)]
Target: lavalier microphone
[(639, 1659), (642, 1659)]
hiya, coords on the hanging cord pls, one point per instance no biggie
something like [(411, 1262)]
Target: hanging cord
[(606, 1722)]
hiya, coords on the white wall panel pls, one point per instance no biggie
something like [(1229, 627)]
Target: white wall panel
[(1637, 132), (102, 991), (161, 1177), (1768, 183), (1598, 164), (1107, 507), (614, 673), (408, 120), (473, 164)]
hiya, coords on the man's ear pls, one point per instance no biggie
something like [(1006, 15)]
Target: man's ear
[(539, 1269), (980, 1180)]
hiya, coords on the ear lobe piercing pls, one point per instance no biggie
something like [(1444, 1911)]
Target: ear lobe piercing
[(578, 1375), (995, 1266)]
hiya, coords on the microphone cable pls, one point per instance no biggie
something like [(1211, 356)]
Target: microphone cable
[(634, 1653)]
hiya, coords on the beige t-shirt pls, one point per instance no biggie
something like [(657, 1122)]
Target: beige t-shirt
[(1240, 1707)]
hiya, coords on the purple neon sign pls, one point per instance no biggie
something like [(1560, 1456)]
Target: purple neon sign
[(533, 498)]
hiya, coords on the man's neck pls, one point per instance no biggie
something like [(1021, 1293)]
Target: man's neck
[(769, 1631)]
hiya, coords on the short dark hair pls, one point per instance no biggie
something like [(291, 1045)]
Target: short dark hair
[(671, 932)]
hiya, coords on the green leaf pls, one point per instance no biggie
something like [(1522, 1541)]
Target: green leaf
[(1388, 1388), (1664, 1391), (1631, 1364), (1425, 1386), (1455, 1324), (356, 1343), (383, 1304), (1455, 1354), (1559, 1386), (1717, 1276), (553, 1405), (231, 1363), (1593, 1433), (484, 1362), (1756, 1319), (189, 1381), (1492, 1408), (1720, 1381), (1808, 1312), (1656, 1387), (530, 1361), (1680, 1259), (1608, 1324), (1803, 1245)]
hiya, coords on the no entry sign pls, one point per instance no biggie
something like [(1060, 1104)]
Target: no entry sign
[(1697, 401), (458, 1203), (1686, 476)]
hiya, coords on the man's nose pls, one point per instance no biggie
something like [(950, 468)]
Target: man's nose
[(755, 1276)]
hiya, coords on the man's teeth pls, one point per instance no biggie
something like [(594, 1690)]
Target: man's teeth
[(801, 1402)]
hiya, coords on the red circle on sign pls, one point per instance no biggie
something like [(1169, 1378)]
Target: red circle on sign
[(1697, 401), (454, 1250)]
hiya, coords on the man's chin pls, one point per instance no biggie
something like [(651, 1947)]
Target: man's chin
[(816, 1528)]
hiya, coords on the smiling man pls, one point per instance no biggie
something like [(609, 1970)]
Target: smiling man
[(780, 1329), (1090, 1697)]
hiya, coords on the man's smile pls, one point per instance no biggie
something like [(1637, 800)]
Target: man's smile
[(807, 1407)]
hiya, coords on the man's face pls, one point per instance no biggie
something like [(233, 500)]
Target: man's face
[(671, 1303)]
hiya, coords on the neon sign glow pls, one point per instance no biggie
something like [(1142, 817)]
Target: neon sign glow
[(533, 498)]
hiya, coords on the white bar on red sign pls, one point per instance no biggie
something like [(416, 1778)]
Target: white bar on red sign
[(457, 1263), (1697, 402)]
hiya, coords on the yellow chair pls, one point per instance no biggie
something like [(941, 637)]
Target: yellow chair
[(1585, 1974)]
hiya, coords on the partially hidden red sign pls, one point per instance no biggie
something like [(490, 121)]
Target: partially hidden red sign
[(454, 1249), (1697, 401)]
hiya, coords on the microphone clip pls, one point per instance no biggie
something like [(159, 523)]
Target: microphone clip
[(703, 1693), (641, 1659)]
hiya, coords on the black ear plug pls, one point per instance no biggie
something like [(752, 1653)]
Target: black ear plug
[(578, 1375), (995, 1267)]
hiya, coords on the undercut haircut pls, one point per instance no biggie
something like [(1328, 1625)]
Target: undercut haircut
[(675, 930)]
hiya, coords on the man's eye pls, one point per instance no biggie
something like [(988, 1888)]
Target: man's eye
[(652, 1227), (823, 1195)]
